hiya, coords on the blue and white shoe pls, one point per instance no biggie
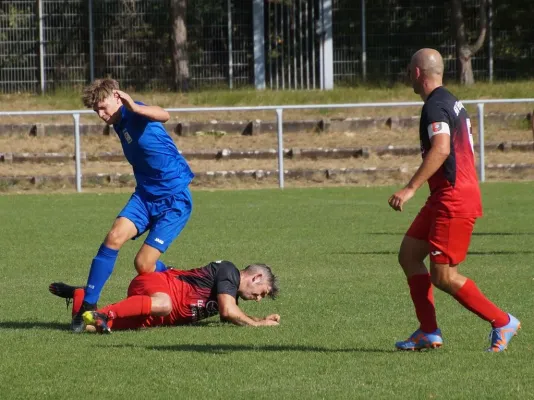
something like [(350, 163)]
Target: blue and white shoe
[(421, 340), (500, 337)]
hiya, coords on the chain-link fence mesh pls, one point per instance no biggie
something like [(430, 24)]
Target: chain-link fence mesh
[(131, 41)]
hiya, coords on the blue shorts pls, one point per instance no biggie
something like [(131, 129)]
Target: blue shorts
[(164, 218)]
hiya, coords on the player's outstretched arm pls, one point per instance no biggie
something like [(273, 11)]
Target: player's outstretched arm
[(435, 158), (153, 113), (230, 311)]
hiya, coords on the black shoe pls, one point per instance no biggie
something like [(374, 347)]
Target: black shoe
[(63, 290), (78, 325), (98, 320)]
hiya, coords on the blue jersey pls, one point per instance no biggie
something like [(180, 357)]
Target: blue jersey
[(159, 169)]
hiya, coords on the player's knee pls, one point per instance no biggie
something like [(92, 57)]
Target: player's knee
[(143, 266), (166, 308), (405, 259), (442, 282), (161, 306), (115, 239)]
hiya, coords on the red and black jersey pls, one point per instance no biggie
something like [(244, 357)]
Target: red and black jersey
[(195, 291), (454, 189)]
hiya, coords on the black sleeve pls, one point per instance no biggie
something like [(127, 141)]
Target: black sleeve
[(437, 118), (437, 111), (227, 278)]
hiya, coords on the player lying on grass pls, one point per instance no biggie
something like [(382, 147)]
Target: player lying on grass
[(178, 297)]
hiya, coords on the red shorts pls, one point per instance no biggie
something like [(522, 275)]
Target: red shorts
[(448, 237), (148, 284), (164, 282)]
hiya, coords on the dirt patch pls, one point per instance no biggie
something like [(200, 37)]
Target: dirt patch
[(384, 161), (364, 138), (374, 137)]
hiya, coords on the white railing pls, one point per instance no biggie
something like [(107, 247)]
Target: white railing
[(279, 119)]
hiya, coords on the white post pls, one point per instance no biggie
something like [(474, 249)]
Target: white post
[(279, 120), (481, 162), (91, 43), (490, 40), (230, 56), (77, 155), (42, 72), (259, 44), (328, 53), (364, 45)]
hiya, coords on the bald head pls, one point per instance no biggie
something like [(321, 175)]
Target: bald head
[(426, 71), (429, 61)]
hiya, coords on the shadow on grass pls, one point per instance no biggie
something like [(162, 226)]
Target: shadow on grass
[(34, 325), (400, 234), (65, 327), (230, 348), (470, 253)]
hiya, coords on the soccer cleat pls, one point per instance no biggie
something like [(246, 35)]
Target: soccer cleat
[(500, 337), (63, 290), (420, 340), (77, 324), (98, 320)]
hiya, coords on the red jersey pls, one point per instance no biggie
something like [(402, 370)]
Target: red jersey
[(194, 292), (454, 189)]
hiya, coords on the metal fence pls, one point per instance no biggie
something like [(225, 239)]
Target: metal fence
[(47, 44), (279, 110)]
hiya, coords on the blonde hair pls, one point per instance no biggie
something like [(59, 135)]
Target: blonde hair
[(98, 91)]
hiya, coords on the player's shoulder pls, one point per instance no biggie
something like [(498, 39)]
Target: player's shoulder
[(441, 96), (441, 100), (224, 264)]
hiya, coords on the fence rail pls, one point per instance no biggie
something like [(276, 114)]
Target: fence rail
[(279, 118)]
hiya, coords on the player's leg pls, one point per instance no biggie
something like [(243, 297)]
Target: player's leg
[(413, 251), (131, 313), (71, 294), (148, 296), (147, 260), (169, 217), (130, 223), (449, 244)]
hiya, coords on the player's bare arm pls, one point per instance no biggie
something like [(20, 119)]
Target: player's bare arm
[(434, 159), (153, 113), (230, 311), (272, 317)]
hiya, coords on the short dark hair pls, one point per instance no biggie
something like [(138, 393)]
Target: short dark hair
[(265, 270)]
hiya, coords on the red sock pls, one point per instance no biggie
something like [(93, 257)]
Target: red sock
[(423, 300), (472, 298), (77, 300), (134, 306)]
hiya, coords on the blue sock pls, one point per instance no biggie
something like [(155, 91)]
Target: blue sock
[(160, 267), (101, 269)]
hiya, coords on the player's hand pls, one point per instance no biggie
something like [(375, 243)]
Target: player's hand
[(397, 200), (270, 322), (126, 100), (273, 317)]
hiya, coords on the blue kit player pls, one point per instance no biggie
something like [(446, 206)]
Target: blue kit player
[(161, 203)]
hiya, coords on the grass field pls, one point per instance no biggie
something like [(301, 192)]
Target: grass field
[(344, 302), (70, 99)]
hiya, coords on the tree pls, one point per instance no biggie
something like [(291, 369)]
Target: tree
[(179, 45), (464, 50)]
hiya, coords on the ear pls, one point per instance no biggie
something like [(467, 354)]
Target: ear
[(417, 72), (257, 278)]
